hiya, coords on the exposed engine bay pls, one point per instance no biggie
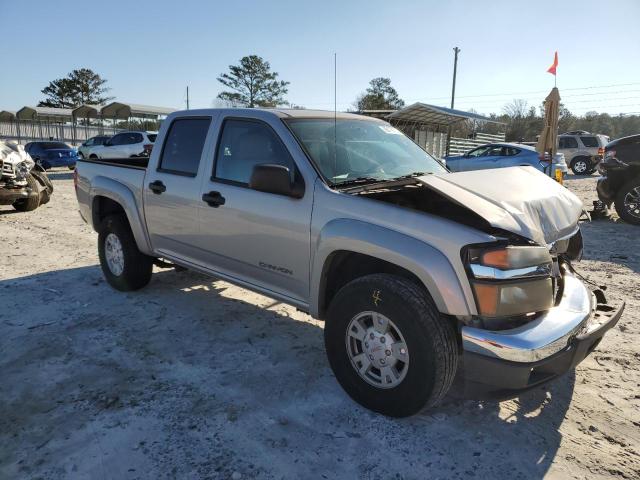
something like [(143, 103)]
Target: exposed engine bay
[(23, 184)]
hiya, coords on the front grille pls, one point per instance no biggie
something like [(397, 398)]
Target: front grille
[(7, 168)]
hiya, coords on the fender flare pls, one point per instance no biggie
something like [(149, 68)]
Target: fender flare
[(426, 262), (118, 192)]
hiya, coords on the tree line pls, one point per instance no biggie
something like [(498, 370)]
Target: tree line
[(252, 83)]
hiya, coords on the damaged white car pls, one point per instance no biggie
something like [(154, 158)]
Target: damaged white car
[(23, 184)]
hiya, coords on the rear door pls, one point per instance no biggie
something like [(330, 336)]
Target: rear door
[(257, 237), (172, 188), (111, 149), (568, 146)]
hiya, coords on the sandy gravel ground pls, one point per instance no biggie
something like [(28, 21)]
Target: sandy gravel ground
[(193, 378)]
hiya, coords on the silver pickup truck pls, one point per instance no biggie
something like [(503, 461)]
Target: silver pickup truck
[(419, 274)]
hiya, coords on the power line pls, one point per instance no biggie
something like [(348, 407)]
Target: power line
[(532, 92)]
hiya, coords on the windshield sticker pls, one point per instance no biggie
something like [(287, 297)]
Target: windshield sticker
[(389, 129)]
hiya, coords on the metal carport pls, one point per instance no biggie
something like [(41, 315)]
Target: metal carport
[(431, 126)]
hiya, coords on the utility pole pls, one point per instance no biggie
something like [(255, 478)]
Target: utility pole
[(187, 97), (455, 70)]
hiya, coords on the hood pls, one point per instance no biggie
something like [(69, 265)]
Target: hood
[(520, 200)]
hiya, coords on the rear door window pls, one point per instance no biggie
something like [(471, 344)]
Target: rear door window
[(510, 151), (183, 146), (567, 142), (589, 142), (132, 138), (119, 139)]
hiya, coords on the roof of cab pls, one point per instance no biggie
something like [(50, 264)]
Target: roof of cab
[(282, 113)]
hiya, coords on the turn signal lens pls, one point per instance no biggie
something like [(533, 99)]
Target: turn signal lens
[(486, 298), (515, 257), (496, 258)]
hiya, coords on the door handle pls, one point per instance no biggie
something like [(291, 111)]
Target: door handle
[(213, 199), (157, 187)]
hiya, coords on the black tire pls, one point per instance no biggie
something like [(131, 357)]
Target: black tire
[(137, 266), (625, 212), (94, 156), (44, 180), (430, 340), (32, 201), (581, 166)]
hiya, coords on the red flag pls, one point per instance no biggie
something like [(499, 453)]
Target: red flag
[(552, 68)]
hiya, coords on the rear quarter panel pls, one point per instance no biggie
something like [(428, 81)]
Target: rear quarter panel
[(119, 183)]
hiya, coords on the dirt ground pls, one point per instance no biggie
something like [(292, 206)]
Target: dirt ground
[(194, 378)]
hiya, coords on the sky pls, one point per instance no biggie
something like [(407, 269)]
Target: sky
[(149, 51)]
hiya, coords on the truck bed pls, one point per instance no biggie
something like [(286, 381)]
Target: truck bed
[(129, 162)]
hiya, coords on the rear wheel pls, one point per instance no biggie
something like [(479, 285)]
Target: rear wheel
[(388, 346), (627, 202), (581, 166), (124, 266)]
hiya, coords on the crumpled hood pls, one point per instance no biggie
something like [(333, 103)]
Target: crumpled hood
[(521, 200)]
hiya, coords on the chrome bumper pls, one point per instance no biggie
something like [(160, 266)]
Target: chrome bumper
[(543, 337)]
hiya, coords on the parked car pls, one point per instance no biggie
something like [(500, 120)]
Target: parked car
[(620, 181), (582, 150), (87, 146), (52, 154), (23, 183), (125, 144), (500, 155), (417, 272)]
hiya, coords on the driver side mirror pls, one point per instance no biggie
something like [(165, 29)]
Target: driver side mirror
[(272, 178)]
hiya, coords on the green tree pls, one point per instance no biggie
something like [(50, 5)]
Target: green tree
[(379, 96), (252, 84), (59, 93), (80, 86)]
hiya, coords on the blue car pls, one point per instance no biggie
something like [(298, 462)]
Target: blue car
[(496, 155), (52, 154)]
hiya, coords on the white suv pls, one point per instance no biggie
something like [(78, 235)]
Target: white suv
[(124, 145), (582, 150)]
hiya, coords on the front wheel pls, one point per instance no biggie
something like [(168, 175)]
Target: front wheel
[(33, 200), (627, 202), (124, 266), (388, 346)]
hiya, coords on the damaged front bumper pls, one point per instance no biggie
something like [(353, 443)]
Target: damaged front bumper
[(9, 195), (503, 363)]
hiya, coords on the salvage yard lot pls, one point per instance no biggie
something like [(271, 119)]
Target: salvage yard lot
[(196, 378)]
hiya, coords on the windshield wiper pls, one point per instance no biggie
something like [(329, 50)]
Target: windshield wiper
[(359, 181), (411, 175)]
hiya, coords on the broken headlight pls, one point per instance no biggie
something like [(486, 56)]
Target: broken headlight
[(510, 280), (22, 170)]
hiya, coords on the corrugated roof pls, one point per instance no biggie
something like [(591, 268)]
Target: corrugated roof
[(125, 110), (34, 113), (434, 115), (86, 111), (6, 115)]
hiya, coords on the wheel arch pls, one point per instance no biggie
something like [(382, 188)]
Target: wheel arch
[(348, 249), (109, 197)]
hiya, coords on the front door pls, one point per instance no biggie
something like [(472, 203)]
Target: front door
[(172, 189), (257, 237)]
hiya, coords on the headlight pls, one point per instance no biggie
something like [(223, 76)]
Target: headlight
[(509, 281), (22, 170)]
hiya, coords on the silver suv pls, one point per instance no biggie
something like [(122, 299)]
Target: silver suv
[(125, 145), (582, 150)]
